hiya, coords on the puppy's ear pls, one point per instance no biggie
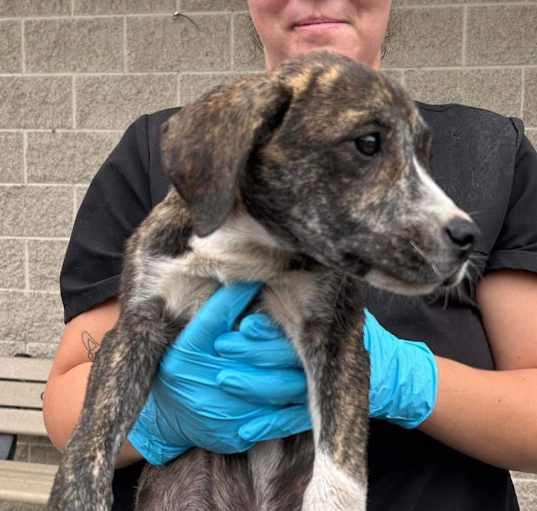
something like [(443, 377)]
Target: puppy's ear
[(206, 145)]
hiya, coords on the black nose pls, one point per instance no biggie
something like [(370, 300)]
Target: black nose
[(462, 233)]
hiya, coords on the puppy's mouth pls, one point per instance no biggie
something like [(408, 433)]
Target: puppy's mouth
[(387, 282)]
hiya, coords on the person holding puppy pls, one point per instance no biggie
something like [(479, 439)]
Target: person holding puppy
[(452, 381)]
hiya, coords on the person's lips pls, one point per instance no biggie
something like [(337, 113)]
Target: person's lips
[(318, 22)]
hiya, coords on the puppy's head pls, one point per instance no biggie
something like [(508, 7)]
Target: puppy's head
[(331, 158)]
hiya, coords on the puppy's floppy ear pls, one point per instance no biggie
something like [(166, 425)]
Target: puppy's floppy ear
[(206, 145)]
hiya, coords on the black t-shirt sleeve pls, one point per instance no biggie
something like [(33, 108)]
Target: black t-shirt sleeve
[(516, 245), (117, 200)]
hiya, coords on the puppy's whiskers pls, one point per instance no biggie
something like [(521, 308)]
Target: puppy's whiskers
[(424, 257)]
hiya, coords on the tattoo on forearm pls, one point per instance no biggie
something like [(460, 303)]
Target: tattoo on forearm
[(90, 345)]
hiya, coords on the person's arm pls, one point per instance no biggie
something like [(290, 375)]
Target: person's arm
[(492, 415), (66, 387)]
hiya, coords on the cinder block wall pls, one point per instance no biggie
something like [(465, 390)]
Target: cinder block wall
[(75, 73)]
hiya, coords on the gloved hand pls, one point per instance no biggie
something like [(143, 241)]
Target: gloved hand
[(403, 381), (404, 376), (189, 404)]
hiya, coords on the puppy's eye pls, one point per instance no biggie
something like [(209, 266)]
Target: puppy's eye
[(368, 145)]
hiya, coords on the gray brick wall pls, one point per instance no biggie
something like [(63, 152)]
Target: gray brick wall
[(75, 73)]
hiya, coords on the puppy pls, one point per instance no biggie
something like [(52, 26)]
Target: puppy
[(312, 179)]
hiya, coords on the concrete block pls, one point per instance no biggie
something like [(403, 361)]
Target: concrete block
[(15, 8), (42, 349), (532, 136), (39, 211), (11, 163), (193, 86), (80, 192), (396, 75), (113, 102), (526, 490), (498, 90), (74, 45), (9, 349), (67, 157), (213, 5), (12, 274), (202, 44), (426, 37), (10, 47), (33, 317), (123, 6), (523, 475), (501, 35), (247, 51), (35, 102), (45, 262), (18, 506), (530, 98)]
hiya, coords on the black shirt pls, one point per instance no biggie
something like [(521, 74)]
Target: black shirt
[(484, 162)]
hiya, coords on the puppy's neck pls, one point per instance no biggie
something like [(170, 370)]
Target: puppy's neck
[(240, 250)]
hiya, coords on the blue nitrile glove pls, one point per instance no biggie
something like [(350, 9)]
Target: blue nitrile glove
[(404, 376), (403, 382), (187, 405)]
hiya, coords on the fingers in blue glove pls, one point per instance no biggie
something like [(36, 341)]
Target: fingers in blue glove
[(282, 423), (275, 387), (276, 353)]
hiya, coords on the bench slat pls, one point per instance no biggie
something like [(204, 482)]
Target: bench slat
[(26, 395), (35, 369), (22, 422), (26, 482)]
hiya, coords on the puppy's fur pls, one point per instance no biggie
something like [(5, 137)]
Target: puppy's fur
[(313, 180)]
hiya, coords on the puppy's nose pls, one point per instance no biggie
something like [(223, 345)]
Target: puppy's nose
[(463, 234)]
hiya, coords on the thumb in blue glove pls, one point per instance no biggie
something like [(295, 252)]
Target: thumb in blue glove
[(404, 376)]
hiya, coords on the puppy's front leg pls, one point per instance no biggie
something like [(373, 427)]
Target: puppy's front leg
[(337, 366), (119, 382)]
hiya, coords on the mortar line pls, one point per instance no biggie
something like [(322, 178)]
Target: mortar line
[(135, 15), (231, 45), (522, 92), (73, 102), (26, 266), (32, 238), (24, 157), (59, 130), (41, 185), (125, 65), (23, 46), (27, 291), (72, 7), (74, 204), (464, 32)]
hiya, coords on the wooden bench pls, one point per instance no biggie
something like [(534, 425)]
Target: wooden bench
[(22, 380)]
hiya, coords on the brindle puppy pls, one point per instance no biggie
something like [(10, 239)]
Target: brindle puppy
[(313, 180)]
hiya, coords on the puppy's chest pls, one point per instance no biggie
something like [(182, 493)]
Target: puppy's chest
[(288, 298)]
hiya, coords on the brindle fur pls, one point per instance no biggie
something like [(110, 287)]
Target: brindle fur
[(268, 185)]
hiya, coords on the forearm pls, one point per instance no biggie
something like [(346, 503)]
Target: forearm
[(489, 415), (63, 402)]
